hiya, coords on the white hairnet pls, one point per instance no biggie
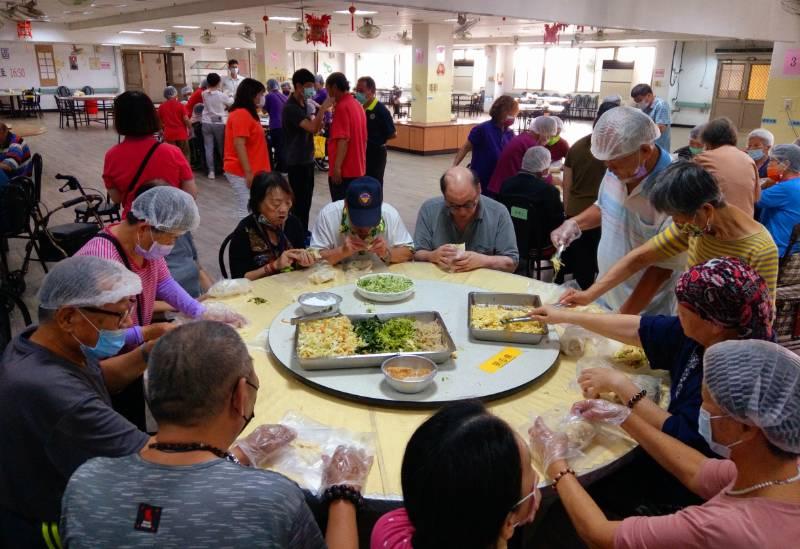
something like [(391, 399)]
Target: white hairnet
[(170, 91), (757, 382), (87, 281), (536, 160), (696, 132), (559, 123), (186, 90), (619, 132), (544, 126), (764, 135), (787, 153), (167, 209), (617, 99), (273, 84)]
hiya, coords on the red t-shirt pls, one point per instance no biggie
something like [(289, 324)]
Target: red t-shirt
[(349, 122), (241, 124), (123, 161), (194, 99), (171, 113)]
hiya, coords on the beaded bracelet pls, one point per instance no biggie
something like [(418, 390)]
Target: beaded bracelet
[(559, 476), (343, 491), (636, 398)]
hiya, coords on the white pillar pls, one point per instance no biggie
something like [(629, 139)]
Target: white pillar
[(271, 56), (431, 72)]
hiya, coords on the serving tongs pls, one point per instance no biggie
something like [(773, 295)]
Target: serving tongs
[(510, 319), (329, 312)]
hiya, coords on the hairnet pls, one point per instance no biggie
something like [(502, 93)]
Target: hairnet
[(758, 383), (621, 131), (87, 281), (787, 154), (696, 132), (545, 127), (170, 91), (287, 83), (167, 209), (764, 135), (204, 83), (728, 293), (272, 84), (186, 90), (319, 79), (559, 123), (616, 99), (536, 160)]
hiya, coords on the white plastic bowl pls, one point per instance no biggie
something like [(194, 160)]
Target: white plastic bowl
[(382, 297), (306, 302), (409, 385)]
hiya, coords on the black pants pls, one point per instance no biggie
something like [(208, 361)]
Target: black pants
[(301, 178), (580, 259), (276, 146), (198, 148), (376, 161), (338, 191)]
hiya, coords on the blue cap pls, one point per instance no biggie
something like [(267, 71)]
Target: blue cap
[(364, 198)]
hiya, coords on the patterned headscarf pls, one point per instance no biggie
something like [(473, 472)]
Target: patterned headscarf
[(728, 293)]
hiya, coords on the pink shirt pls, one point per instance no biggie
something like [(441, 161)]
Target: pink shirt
[(723, 521), (510, 161), (152, 273), (392, 531)]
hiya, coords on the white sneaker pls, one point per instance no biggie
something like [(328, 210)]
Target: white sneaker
[(211, 175)]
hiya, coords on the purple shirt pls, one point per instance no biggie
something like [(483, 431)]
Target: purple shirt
[(510, 160), (274, 103), (488, 142)]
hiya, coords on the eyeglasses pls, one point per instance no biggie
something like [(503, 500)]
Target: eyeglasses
[(121, 316), (472, 204)]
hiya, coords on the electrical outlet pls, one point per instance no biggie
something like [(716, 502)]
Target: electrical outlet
[(788, 104)]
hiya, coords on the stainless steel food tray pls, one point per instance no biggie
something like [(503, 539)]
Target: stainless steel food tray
[(371, 360), (511, 301)]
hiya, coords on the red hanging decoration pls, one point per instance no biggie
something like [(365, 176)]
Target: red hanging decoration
[(352, 10), (318, 29), (551, 32), (24, 29), (265, 18)]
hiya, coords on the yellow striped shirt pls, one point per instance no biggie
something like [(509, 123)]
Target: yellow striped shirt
[(757, 250)]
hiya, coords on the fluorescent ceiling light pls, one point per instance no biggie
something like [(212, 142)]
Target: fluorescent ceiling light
[(451, 20), (357, 12), (231, 23), (152, 30), (283, 18), (108, 45), (131, 32), (185, 27)]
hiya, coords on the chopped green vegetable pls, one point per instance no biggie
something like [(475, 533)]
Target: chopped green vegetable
[(390, 336), (257, 300), (386, 284)]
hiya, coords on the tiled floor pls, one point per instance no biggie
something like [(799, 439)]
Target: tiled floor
[(410, 179)]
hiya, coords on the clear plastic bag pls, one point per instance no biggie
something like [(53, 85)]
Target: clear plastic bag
[(228, 287), (551, 293), (321, 272), (651, 383), (580, 432), (575, 339)]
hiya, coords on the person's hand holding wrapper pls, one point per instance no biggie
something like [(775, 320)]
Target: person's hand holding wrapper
[(264, 442), (220, 312), (601, 411), (549, 448), (348, 466)]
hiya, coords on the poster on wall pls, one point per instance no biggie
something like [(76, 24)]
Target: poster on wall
[(791, 63), (440, 54), (94, 63), (73, 62), (105, 65), (5, 53), (419, 56)]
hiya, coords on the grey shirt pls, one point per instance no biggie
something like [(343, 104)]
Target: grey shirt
[(490, 233), (182, 264), (54, 415), (130, 502)]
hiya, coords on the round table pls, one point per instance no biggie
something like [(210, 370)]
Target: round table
[(281, 392)]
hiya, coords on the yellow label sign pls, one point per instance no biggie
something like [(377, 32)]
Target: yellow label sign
[(499, 360)]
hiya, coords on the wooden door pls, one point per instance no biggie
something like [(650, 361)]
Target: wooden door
[(132, 64), (740, 91), (176, 70), (154, 75)]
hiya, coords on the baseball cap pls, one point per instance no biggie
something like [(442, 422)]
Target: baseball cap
[(364, 198)]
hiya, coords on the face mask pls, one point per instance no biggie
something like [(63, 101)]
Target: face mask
[(704, 428), (642, 105), (756, 154), (553, 140), (775, 172), (535, 495), (360, 97), (156, 251), (509, 121), (308, 93), (109, 342), (234, 71), (695, 150)]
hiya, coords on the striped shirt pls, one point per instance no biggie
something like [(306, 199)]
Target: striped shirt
[(152, 273), (757, 250)]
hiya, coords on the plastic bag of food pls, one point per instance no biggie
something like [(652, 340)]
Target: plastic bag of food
[(321, 272), (228, 287), (631, 356), (574, 340), (550, 293), (652, 384), (580, 432)]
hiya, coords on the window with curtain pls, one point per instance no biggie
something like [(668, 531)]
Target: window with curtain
[(528, 67)]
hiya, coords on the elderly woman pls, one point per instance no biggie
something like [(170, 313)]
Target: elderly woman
[(156, 219), (704, 224), (270, 240), (779, 206), (759, 143), (488, 139), (459, 456), (733, 169), (541, 131), (695, 145), (750, 416)]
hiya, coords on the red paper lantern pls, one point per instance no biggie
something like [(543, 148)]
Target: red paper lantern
[(265, 18), (24, 29), (318, 29), (551, 33), (352, 10)]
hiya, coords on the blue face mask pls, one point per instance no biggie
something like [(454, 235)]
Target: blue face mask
[(109, 342), (156, 251), (309, 93), (704, 428), (756, 154), (360, 97)]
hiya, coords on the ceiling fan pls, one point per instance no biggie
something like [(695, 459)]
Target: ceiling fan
[(76, 50), (403, 38), (368, 30), (463, 27), (299, 33), (247, 35), (207, 38), (22, 11)]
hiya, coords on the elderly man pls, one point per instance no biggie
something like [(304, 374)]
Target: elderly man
[(759, 142), (695, 145), (347, 140), (55, 385), (624, 138), (462, 216), (657, 109), (15, 156), (380, 127), (779, 205), (232, 80), (361, 224), (187, 488), (541, 131), (733, 169), (274, 103)]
